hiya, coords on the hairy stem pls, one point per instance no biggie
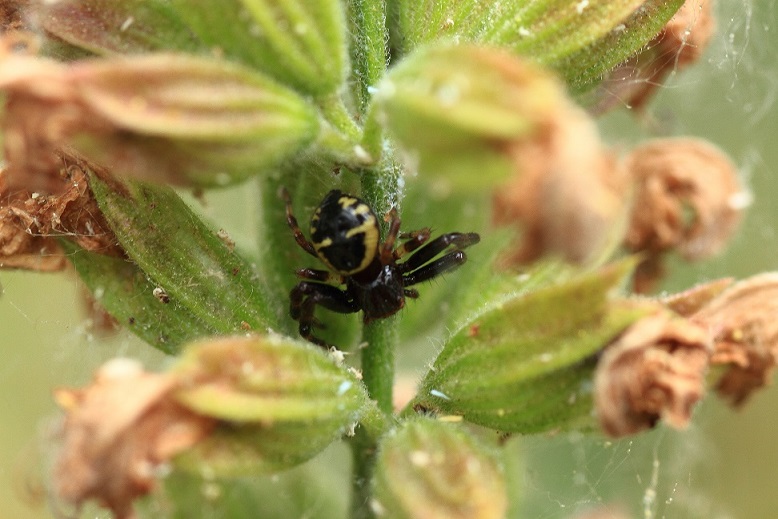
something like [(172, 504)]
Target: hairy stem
[(368, 51)]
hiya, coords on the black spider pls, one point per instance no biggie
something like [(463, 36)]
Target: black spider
[(345, 237)]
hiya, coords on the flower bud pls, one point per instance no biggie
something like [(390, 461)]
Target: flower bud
[(525, 363), (279, 402), (433, 470), (162, 117), (453, 109)]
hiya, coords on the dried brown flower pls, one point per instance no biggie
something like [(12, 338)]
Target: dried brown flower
[(679, 45), (687, 198), (654, 370), (743, 321), (117, 434), (567, 194), (31, 221)]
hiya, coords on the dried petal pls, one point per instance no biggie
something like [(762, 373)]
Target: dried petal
[(654, 370), (744, 323), (680, 44), (687, 198), (689, 301), (117, 433), (31, 221), (567, 193)]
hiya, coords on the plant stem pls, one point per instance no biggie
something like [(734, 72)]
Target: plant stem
[(368, 24)]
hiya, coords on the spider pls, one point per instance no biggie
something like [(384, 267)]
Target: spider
[(345, 237)]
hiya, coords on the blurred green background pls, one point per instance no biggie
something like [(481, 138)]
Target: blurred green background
[(725, 465)]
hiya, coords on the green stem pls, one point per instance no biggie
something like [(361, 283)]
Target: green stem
[(369, 53)]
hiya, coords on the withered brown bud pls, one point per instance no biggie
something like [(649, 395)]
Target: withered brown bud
[(743, 321), (30, 221), (687, 198), (117, 433), (679, 45), (654, 370), (567, 194)]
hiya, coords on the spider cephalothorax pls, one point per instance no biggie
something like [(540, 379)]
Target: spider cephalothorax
[(345, 237)]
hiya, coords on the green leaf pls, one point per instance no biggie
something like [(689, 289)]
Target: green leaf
[(434, 470), (169, 242), (524, 363), (128, 294), (108, 27), (299, 42)]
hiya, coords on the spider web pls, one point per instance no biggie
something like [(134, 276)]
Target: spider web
[(723, 466)]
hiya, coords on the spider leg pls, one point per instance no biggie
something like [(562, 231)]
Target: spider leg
[(447, 263), (457, 240), (303, 300), (415, 240), (292, 221), (411, 292), (324, 276), (391, 237)]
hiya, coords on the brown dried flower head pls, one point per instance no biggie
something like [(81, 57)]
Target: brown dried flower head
[(118, 432), (567, 194), (743, 321), (31, 221), (679, 45), (687, 198), (655, 370)]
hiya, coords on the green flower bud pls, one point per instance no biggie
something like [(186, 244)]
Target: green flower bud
[(457, 109), (525, 363), (430, 470), (163, 117), (299, 42), (279, 402)]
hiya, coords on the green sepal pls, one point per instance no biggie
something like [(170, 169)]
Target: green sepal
[(278, 401), (107, 27), (580, 40), (127, 293), (175, 249), (299, 42), (524, 363), (456, 110), (182, 119), (428, 469)]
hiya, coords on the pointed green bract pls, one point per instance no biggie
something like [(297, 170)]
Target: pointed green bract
[(279, 402), (433, 470), (299, 42), (172, 246), (524, 363)]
